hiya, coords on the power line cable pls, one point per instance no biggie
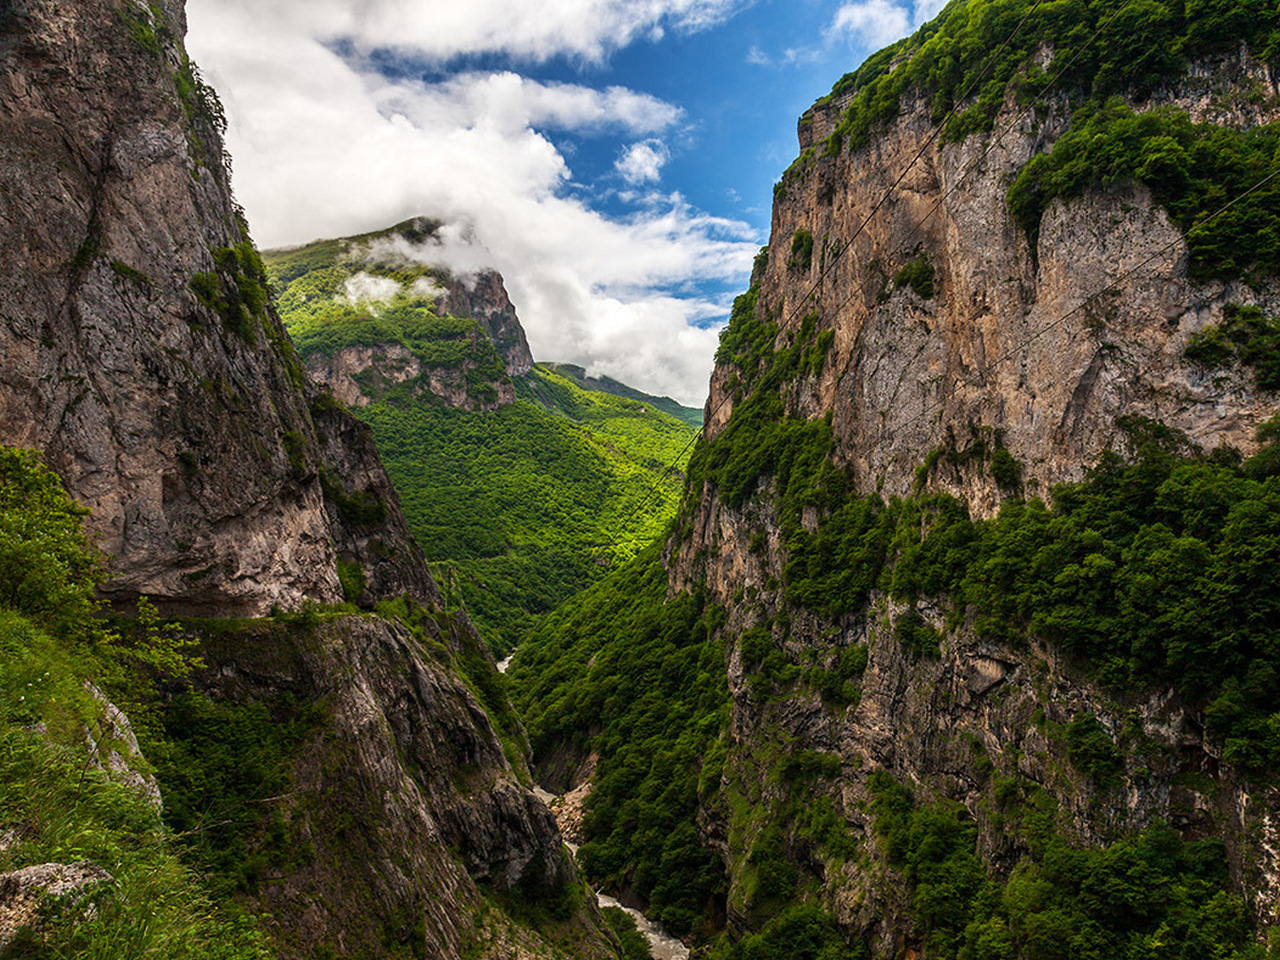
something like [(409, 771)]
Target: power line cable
[(829, 266)]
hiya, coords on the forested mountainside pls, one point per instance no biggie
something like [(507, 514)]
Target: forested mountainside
[(964, 641), (523, 483), (315, 778)]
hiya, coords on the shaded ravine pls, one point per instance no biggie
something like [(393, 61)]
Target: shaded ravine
[(662, 944)]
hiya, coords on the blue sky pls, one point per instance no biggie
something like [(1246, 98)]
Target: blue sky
[(613, 158)]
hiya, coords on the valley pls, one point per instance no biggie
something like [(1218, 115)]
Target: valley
[(522, 482), (334, 624)]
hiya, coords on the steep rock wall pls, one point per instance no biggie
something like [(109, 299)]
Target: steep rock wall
[(1002, 345), (140, 354), (411, 812), (1003, 342), (144, 359)]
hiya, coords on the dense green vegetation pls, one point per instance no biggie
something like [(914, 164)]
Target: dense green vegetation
[(1152, 895), (63, 807), (648, 674), (1154, 570), (1246, 335), (1131, 50), (522, 507), (338, 293), (578, 377), (1158, 568), (1192, 169), (518, 507)]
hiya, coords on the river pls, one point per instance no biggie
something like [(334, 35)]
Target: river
[(662, 945)]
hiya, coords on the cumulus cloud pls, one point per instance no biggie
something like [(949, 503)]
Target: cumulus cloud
[(443, 29), (325, 147), (643, 162), (875, 23), (872, 23), (366, 288)]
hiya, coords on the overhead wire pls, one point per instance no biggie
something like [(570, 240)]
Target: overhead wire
[(830, 265), (1044, 331)]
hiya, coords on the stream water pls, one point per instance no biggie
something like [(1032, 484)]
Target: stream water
[(662, 945)]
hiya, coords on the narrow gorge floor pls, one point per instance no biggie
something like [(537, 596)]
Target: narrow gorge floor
[(662, 945)]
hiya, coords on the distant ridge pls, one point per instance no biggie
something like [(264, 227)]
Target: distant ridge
[(578, 376)]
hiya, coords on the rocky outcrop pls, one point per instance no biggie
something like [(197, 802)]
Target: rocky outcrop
[(949, 727), (361, 375), (410, 809), (484, 298), (365, 519), (113, 747), (1012, 338), (141, 355), (24, 893)]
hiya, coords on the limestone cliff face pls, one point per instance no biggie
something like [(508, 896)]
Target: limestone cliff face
[(484, 298), (1004, 341), (135, 354), (361, 375), (1001, 344)]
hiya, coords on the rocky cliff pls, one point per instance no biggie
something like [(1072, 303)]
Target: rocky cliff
[(1051, 340), (405, 818), (141, 354), (941, 332), (958, 311), (145, 360)]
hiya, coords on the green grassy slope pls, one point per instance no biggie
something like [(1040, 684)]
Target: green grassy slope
[(578, 376), (524, 506), (519, 507), (55, 801)]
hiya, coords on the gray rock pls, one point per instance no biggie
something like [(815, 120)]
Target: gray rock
[(23, 892)]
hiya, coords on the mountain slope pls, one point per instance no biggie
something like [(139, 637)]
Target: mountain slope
[(959, 647), (578, 376), (359, 775), (524, 488)]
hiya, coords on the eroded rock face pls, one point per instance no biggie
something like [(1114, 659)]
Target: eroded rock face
[(419, 804), (1003, 344), (1013, 338), (23, 892), (186, 434), (358, 376), (484, 298)]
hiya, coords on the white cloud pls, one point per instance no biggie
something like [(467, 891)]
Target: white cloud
[(426, 288), (789, 57), (364, 287), (323, 148), (442, 29), (870, 23), (926, 10), (643, 162)]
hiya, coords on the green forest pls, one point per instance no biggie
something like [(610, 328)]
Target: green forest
[(521, 507), (1134, 574), (518, 507)]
